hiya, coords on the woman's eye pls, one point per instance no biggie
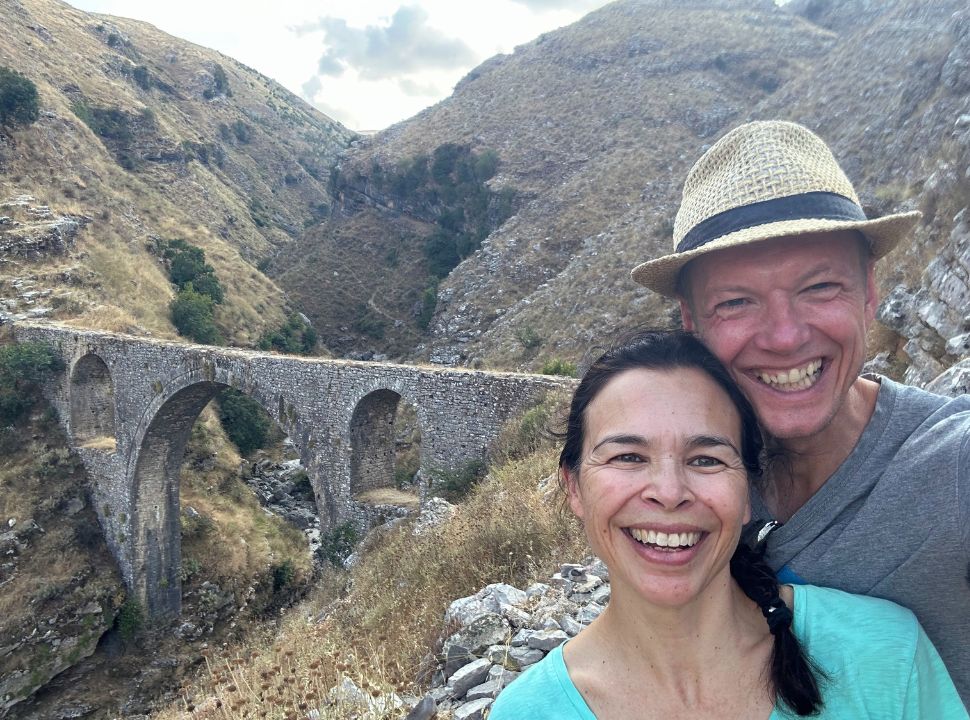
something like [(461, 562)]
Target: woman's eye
[(628, 458), (705, 461)]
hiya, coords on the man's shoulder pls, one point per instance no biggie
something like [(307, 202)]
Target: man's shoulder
[(922, 408)]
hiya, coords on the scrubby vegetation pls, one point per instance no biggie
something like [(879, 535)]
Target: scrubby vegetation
[(296, 337), (449, 187), (508, 529), (23, 366), (18, 99), (558, 366), (244, 420), (192, 315)]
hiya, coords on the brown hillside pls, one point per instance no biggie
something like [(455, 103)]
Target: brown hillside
[(179, 141), (596, 124), (591, 123)]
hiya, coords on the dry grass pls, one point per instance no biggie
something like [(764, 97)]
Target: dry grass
[(384, 630), (235, 541), (388, 496)]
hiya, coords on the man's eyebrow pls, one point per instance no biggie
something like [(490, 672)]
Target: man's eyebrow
[(622, 439)]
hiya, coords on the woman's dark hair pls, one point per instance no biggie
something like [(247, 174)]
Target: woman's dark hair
[(792, 673)]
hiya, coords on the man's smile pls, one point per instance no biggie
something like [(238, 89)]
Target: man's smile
[(797, 378)]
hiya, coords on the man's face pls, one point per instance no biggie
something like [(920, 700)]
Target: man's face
[(788, 317)]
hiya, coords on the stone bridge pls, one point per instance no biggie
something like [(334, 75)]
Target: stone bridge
[(128, 405)]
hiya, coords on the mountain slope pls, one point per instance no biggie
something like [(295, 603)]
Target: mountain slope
[(144, 138)]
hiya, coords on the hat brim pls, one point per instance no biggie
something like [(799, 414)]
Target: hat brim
[(883, 234)]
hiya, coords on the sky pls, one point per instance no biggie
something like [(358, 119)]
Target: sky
[(366, 63)]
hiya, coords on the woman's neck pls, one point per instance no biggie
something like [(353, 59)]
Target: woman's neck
[(683, 657)]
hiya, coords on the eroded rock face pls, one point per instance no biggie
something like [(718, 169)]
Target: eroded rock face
[(935, 317)]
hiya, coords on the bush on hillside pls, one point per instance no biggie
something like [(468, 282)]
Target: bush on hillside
[(18, 99), (23, 367), (558, 366), (186, 264), (295, 336), (192, 315), (244, 420)]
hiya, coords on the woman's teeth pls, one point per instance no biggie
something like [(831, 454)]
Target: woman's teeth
[(667, 540), (794, 379)]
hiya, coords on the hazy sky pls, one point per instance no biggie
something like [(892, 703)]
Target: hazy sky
[(366, 63)]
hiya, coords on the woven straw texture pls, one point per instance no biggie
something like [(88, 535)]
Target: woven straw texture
[(755, 162)]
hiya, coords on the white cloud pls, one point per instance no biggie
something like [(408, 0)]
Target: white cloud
[(407, 44)]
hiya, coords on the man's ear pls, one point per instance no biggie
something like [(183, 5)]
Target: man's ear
[(686, 316), (570, 481)]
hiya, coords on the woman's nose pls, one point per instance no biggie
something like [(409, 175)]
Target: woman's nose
[(666, 485)]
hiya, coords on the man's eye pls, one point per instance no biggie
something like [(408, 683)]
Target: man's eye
[(730, 305)]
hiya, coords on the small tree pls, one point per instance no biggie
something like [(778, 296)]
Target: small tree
[(18, 99), (244, 420), (192, 316)]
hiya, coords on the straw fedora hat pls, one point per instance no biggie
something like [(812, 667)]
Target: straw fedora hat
[(764, 180)]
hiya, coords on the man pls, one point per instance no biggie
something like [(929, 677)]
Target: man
[(773, 266)]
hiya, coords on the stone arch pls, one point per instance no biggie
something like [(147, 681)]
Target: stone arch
[(92, 400), (156, 527), (372, 440), (154, 472)]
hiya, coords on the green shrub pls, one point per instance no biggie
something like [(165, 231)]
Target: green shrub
[(283, 575), (192, 316), (142, 77), (130, 619), (244, 420), (23, 367), (186, 264), (296, 336), (242, 131), (220, 84), (558, 366), (453, 485), (18, 99), (528, 337), (429, 301), (337, 544)]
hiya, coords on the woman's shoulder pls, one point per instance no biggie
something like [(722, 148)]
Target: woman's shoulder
[(839, 628), (543, 692)]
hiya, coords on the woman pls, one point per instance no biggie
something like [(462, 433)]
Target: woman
[(659, 448)]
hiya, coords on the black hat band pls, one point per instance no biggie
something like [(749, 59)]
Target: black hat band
[(811, 205)]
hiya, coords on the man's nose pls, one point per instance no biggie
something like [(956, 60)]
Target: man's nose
[(783, 327), (666, 486)]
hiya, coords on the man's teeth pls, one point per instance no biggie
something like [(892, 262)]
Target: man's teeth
[(794, 379), (670, 540)]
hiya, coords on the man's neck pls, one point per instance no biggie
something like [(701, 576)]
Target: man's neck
[(804, 465)]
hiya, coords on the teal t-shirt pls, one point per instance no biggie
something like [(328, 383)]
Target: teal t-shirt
[(878, 661)]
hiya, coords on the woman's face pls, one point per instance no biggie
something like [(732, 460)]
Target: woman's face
[(661, 488)]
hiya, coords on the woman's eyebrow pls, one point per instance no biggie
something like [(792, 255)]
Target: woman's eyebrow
[(702, 441), (622, 439)]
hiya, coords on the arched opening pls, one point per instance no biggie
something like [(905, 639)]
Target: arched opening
[(385, 441), (92, 403), (200, 519)]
